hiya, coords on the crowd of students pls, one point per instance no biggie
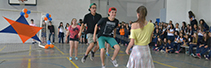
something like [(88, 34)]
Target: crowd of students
[(169, 39)]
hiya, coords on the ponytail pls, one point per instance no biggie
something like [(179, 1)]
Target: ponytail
[(142, 10)]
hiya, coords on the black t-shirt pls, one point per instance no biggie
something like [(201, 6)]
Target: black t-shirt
[(51, 28), (193, 22), (91, 21), (107, 27)]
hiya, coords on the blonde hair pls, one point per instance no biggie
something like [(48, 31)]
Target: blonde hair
[(72, 20), (142, 10), (195, 39)]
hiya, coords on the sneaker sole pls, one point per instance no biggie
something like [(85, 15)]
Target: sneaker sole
[(91, 58), (82, 60)]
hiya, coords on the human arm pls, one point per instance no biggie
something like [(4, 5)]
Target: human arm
[(114, 33), (129, 46), (67, 33), (95, 31), (81, 28)]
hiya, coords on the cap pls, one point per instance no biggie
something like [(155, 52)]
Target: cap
[(91, 5), (112, 8)]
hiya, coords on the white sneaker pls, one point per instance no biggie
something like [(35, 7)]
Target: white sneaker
[(115, 63), (103, 66), (91, 55)]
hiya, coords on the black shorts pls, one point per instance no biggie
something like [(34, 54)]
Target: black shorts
[(71, 39)]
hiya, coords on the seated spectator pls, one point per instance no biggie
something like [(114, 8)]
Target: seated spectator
[(177, 27), (178, 43), (194, 43), (163, 49), (202, 44), (169, 47), (204, 25), (184, 26)]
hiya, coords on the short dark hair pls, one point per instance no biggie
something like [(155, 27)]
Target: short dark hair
[(80, 19), (32, 20)]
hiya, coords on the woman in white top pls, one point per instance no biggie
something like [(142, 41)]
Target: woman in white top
[(170, 33), (61, 32), (177, 27)]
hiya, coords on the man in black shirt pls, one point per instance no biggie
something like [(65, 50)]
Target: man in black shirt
[(107, 33), (52, 31), (90, 19)]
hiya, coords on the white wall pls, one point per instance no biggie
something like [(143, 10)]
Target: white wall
[(177, 10), (204, 11), (154, 7), (60, 10), (126, 9), (122, 10)]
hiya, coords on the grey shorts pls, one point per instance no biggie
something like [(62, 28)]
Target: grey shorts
[(90, 38)]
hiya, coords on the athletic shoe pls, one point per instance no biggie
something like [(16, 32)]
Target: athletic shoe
[(76, 58), (125, 44), (177, 52), (198, 55), (70, 58), (206, 57), (193, 55), (154, 49), (187, 52), (83, 59), (107, 54), (162, 51), (103, 66), (92, 55), (115, 63)]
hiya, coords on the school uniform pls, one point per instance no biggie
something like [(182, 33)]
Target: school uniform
[(178, 44)]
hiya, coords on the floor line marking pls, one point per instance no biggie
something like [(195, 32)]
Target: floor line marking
[(56, 57), (164, 64), (73, 63), (47, 55), (29, 63), (119, 50), (30, 47), (2, 48), (29, 60), (59, 50)]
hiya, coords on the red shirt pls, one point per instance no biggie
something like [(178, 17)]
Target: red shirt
[(74, 32)]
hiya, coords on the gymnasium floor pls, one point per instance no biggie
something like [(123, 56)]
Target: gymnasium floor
[(31, 56)]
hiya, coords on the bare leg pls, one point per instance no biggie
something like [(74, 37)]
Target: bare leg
[(71, 48), (108, 46), (116, 51), (89, 48), (102, 55), (83, 40), (76, 48), (96, 47)]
